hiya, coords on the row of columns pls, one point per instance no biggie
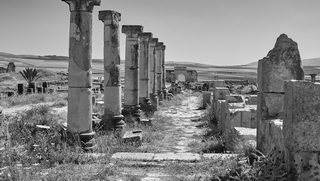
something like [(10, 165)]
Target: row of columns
[(142, 50)]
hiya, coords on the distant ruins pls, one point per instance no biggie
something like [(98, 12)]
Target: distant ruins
[(10, 68), (181, 74)]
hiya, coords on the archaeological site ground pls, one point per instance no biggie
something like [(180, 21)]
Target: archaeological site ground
[(143, 118)]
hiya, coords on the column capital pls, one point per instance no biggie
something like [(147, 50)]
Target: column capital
[(153, 41), (159, 46), (110, 17), (132, 30), (163, 47), (145, 36), (82, 5)]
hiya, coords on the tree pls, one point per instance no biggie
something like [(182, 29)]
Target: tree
[(30, 75)]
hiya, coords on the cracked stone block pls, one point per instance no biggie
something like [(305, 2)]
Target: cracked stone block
[(133, 137), (302, 113)]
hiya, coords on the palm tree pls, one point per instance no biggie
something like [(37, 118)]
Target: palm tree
[(30, 75)]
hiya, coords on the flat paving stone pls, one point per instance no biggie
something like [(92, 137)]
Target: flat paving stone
[(133, 156), (218, 156), (191, 157)]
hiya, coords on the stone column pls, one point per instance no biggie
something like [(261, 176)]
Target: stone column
[(131, 86), (144, 68), (313, 77), (153, 80), (158, 63), (282, 63), (163, 72), (112, 86), (80, 83)]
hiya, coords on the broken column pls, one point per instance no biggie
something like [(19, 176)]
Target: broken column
[(301, 127), (144, 87), (206, 98), (131, 87), (313, 77), (153, 80), (163, 73), (112, 85), (80, 83), (158, 63), (282, 63)]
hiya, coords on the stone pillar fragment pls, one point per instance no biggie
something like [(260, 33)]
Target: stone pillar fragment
[(144, 68), (158, 63), (79, 78), (131, 92), (153, 80), (282, 63), (163, 73), (313, 77), (112, 85), (206, 98), (301, 128), (20, 89)]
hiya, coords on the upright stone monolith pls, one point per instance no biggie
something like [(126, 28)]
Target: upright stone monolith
[(153, 80), (163, 73), (112, 86), (131, 86), (144, 68), (79, 78), (282, 63), (158, 63)]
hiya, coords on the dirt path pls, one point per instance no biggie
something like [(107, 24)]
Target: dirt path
[(185, 119)]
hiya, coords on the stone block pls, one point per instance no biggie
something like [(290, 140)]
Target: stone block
[(217, 83), (190, 157), (146, 122), (270, 135), (206, 98), (271, 104), (302, 113), (132, 137), (220, 93), (133, 156), (252, 100)]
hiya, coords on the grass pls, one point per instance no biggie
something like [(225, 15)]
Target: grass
[(40, 154), (20, 100)]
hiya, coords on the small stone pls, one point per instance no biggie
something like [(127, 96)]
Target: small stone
[(133, 137)]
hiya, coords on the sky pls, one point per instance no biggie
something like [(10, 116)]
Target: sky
[(216, 32)]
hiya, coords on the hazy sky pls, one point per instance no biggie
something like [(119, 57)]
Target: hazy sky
[(218, 32)]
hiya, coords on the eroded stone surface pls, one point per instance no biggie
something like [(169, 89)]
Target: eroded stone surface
[(282, 63), (301, 122)]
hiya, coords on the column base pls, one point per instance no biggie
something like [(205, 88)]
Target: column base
[(165, 93), (88, 142), (146, 106), (118, 122), (160, 95), (133, 111), (154, 101)]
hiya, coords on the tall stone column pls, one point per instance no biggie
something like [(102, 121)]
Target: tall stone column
[(131, 87), (159, 47), (80, 82), (112, 85), (163, 71), (153, 80), (144, 68)]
